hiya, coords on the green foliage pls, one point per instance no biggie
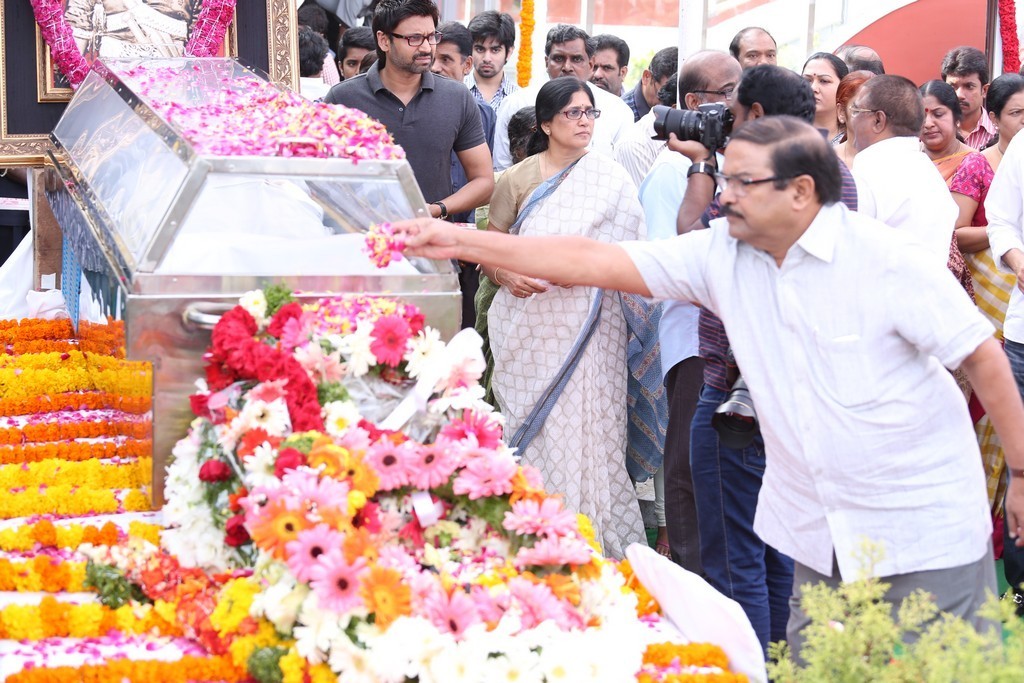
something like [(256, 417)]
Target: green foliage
[(854, 637), (331, 391), (301, 442), (113, 587), (264, 664), (277, 296)]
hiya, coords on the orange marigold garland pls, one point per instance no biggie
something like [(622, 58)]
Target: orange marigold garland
[(42, 574), (45, 534), (217, 668), (54, 619), (60, 431), (78, 400), (75, 451), (524, 62)]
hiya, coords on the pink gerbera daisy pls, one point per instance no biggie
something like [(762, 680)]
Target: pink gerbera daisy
[(431, 466), (304, 552), (483, 428), (547, 518), (391, 463), (536, 603), (336, 582), (268, 391), (390, 339), (491, 607), (451, 614), (486, 476), (554, 552), (309, 492)]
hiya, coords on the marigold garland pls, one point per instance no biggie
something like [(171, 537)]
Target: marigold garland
[(190, 668), (74, 451), (81, 400), (28, 329), (54, 619), (94, 474), (104, 374), (523, 63), (46, 534), (66, 500), (42, 573), (63, 431)]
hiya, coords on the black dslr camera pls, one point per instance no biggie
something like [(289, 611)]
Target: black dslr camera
[(708, 124)]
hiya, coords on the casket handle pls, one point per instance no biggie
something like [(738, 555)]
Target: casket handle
[(204, 316)]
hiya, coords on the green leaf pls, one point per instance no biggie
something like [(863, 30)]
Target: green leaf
[(265, 664), (277, 296), (113, 587), (331, 391)]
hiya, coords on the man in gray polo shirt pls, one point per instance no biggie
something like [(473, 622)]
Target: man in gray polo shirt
[(428, 116)]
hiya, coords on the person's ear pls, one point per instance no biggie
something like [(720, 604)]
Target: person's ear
[(691, 100), (804, 192), (756, 111), (646, 77), (382, 41), (984, 91)]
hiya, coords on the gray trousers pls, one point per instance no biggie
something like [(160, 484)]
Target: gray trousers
[(959, 591)]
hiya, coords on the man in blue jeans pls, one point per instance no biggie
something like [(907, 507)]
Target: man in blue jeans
[(727, 481), (1007, 242)]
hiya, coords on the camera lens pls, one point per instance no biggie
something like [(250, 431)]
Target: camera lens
[(686, 124)]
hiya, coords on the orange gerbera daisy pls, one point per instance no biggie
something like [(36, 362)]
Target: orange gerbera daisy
[(359, 543), (385, 595), (362, 477), (329, 457), (276, 526)]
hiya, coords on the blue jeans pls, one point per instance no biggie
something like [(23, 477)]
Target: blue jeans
[(1013, 557), (726, 483)]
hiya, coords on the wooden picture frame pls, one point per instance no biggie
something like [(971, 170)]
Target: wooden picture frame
[(265, 40)]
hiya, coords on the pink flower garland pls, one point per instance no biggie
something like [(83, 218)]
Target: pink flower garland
[(206, 38), (1008, 32)]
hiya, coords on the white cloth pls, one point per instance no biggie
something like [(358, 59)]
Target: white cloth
[(867, 434), (661, 193), (581, 448), (900, 186), (1004, 207), (16, 275), (313, 88), (616, 118), (636, 151)]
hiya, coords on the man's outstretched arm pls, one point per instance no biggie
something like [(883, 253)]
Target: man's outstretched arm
[(566, 260)]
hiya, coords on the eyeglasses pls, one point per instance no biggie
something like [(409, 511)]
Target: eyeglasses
[(575, 114), (740, 185), (727, 93), (857, 110), (416, 39)]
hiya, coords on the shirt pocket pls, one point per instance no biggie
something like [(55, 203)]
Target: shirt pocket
[(846, 369)]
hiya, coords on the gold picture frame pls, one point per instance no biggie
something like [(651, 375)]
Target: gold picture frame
[(30, 107)]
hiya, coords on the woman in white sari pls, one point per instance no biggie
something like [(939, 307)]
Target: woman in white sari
[(534, 326)]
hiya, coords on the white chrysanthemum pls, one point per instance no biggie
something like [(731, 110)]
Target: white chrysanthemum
[(425, 350), (356, 349), (522, 666), (340, 416), (350, 661), (564, 656), (271, 417), (259, 467), (255, 303), (459, 663), (317, 630), (406, 648), (280, 604)]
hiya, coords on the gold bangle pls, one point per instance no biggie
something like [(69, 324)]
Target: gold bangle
[(496, 280)]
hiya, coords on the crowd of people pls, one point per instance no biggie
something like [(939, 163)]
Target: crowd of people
[(854, 250)]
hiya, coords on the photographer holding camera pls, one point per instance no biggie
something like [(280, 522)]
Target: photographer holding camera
[(705, 77), (727, 480)]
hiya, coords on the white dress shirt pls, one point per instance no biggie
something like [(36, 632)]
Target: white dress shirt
[(616, 118), (1004, 208), (845, 349), (661, 193), (899, 185), (636, 150)]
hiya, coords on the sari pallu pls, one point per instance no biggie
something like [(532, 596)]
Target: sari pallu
[(581, 447)]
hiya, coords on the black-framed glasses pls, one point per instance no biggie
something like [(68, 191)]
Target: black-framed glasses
[(416, 39), (727, 93), (575, 113), (740, 185)]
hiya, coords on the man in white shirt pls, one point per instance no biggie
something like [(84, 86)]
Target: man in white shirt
[(868, 437), (896, 182), (1004, 207), (568, 51)]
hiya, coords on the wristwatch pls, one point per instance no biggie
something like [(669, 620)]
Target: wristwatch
[(702, 167), (444, 210)]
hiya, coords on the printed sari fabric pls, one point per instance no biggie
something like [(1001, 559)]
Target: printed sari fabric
[(581, 448)]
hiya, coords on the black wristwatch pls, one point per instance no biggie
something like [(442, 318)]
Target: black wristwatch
[(704, 167), (444, 210)]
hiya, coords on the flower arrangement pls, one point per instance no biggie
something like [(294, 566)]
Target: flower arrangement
[(44, 534), (247, 116), (207, 34), (42, 573), (184, 670), (51, 618), (1008, 34), (524, 64)]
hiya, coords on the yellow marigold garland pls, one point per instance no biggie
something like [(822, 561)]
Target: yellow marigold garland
[(93, 474), (53, 619), (36, 374), (191, 668), (524, 63), (42, 574), (75, 451), (66, 500), (46, 534)]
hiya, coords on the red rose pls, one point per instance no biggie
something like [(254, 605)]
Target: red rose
[(235, 533), (214, 470), (284, 314), (200, 404), (288, 459), (218, 376)]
